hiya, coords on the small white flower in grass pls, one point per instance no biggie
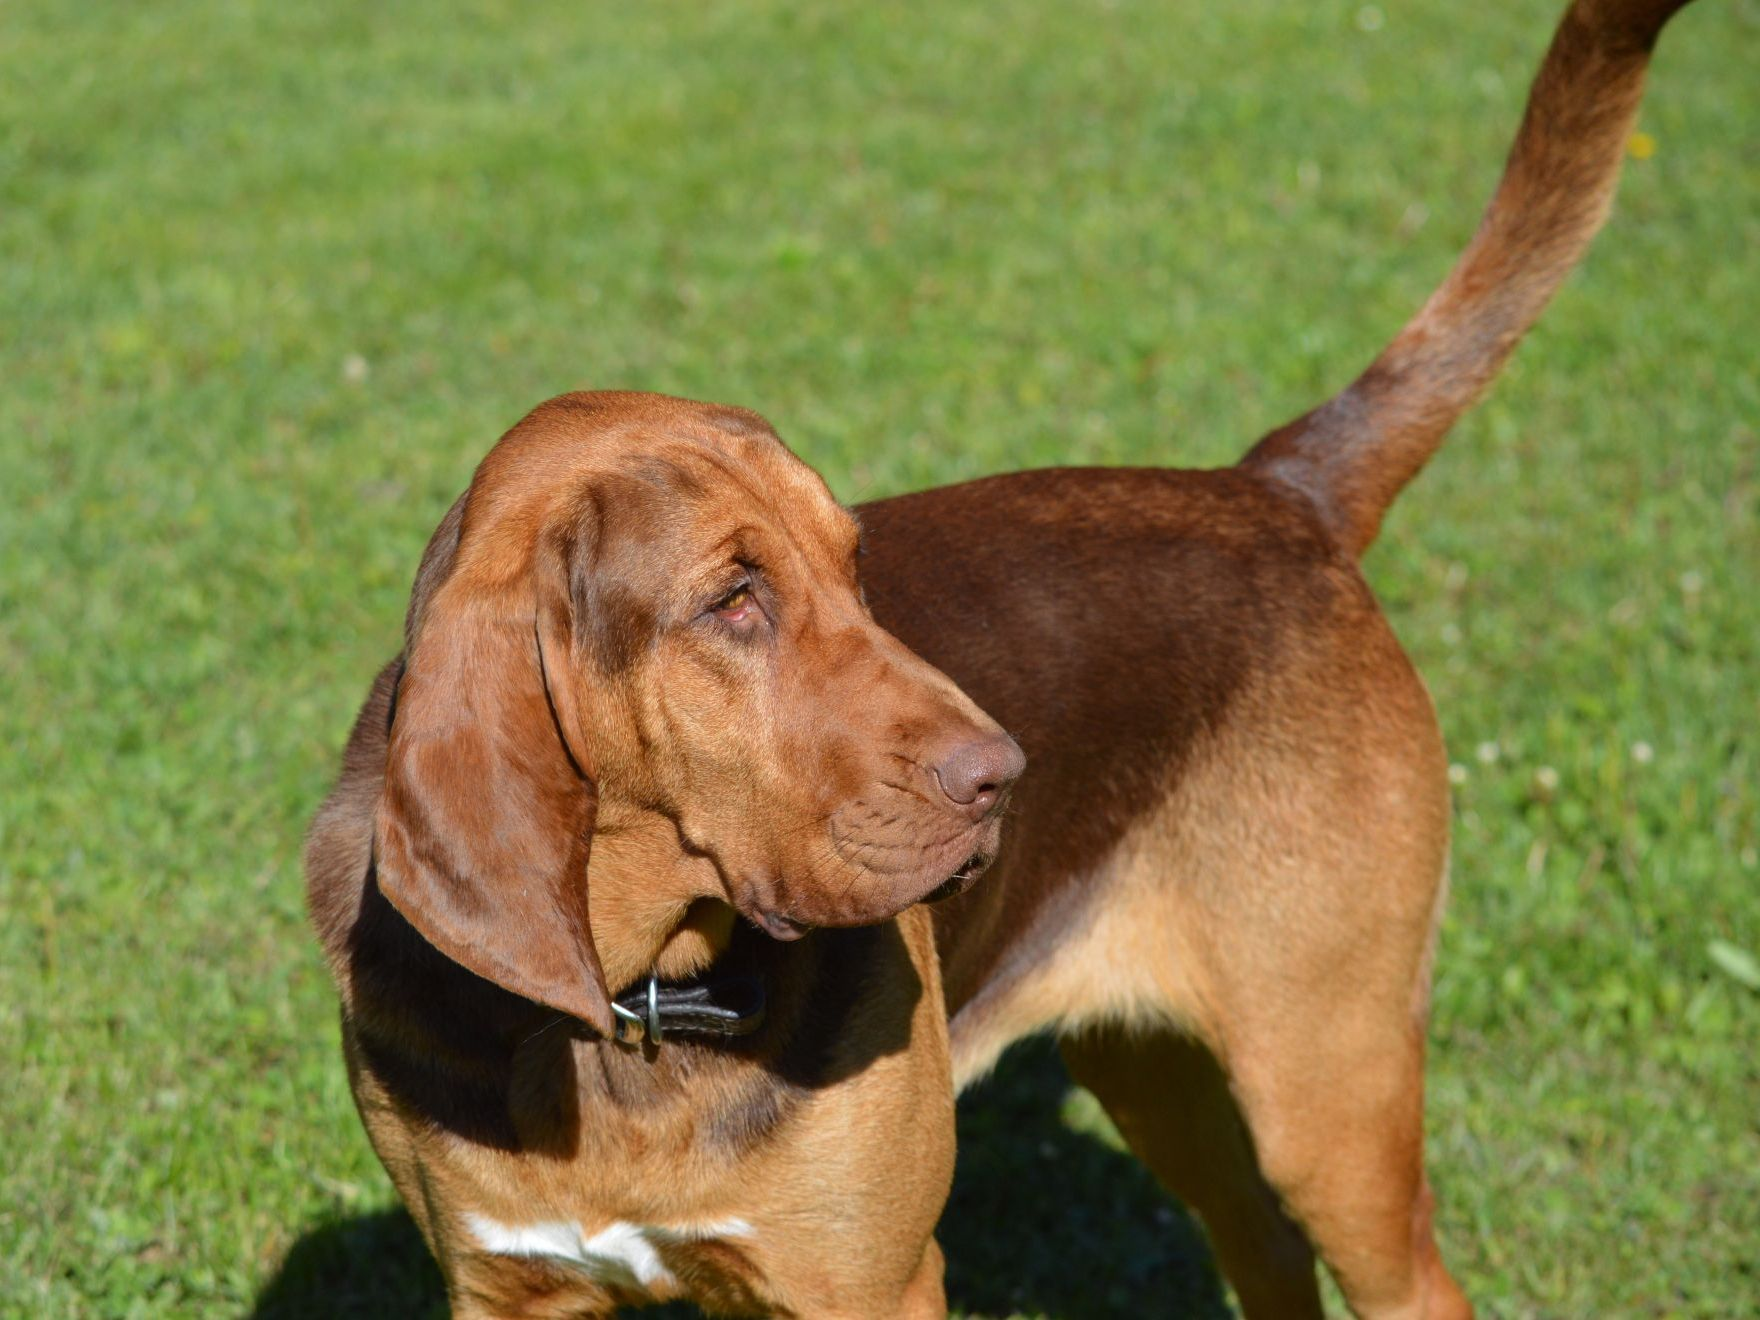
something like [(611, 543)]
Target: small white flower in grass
[(1692, 583), (1542, 788), (354, 368), (1370, 18), (1643, 753), (1457, 773), (1488, 752), (1451, 634)]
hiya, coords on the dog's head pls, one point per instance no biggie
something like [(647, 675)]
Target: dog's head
[(648, 608)]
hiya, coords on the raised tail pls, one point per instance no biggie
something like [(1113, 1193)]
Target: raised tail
[(1356, 451)]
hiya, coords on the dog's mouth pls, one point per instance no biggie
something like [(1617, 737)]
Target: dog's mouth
[(779, 926), (962, 879)]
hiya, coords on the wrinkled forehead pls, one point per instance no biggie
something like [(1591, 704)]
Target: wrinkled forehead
[(724, 498), (647, 469), (733, 479)]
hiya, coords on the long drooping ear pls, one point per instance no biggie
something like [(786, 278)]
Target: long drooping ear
[(486, 818)]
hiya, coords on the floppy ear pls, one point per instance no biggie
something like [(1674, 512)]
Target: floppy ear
[(486, 818)]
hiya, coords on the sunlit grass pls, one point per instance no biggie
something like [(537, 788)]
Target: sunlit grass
[(273, 277)]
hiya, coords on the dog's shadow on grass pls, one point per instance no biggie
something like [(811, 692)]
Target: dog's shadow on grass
[(364, 1265), (1043, 1221)]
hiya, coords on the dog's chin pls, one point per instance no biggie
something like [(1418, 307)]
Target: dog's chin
[(777, 926)]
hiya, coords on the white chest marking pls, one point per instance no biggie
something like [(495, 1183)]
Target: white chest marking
[(621, 1253)]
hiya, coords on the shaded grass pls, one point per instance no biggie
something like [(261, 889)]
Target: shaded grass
[(276, 276)]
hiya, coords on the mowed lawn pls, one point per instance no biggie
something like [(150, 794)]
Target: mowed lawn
[(274, 276)]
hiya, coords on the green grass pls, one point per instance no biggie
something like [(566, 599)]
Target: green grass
[(273, 277)]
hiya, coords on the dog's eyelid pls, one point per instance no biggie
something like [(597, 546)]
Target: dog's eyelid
[(727, 578), (740, 587), (751, 584)]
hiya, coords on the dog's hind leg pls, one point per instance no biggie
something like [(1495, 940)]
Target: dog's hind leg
[(1321, 1128), (1266, 948), (1289, 1093), (1171, 1102), (1335, 1106)]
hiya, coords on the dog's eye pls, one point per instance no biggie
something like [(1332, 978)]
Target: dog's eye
[(736, 606)]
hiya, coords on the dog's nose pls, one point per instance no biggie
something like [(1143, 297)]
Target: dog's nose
[(978, 773)]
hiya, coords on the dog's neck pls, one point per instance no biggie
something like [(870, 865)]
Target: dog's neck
[(447, 1043), (654, 907)]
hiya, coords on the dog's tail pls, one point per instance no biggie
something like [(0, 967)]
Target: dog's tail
[(1355, 452)]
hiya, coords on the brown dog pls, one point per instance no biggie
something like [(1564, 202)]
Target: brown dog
[(641, 635)]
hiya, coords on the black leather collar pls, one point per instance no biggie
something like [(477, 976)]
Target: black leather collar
[(723, 1006)]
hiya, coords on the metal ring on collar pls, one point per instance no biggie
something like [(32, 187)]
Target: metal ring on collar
[(629, 1024), (632, 1027)]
